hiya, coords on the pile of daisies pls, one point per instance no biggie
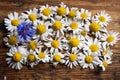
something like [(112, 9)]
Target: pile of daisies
[(59, 35)]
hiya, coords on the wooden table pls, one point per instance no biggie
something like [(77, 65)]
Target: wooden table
[(46, 72)]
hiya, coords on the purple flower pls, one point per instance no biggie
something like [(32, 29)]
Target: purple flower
[(25, 31)]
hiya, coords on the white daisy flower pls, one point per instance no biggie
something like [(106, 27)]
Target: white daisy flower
[(106, 52), (58, 27), (12, 21), (33, 45), (96, 29), (72, 58), (15, 57), (46, 12), (72, 13), (84, 34), (31, 16), (110, 38), (74, 42), (43, 56), (102, 18), (31, 59), (11, 40), (60, 11), (73, 26), (88, 60), (93, 45), (104, 63), (57, 58), (42, 30), (84, 15), (54, 44)]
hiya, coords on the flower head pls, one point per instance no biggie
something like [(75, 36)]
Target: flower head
[(25, 32), (102, 18), (110, 38), (88, 60), (15, 57), (12, 21)]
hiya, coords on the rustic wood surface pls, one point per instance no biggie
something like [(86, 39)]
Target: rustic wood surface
[(61, 72)]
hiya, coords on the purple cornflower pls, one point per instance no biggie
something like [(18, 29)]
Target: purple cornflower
[(25, 31)]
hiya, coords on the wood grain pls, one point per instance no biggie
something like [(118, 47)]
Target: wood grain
[(61, 72)]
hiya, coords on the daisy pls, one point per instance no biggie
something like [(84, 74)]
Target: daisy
[(88, 60), (84, 16), (104, 63), (11, 40), (57, 58), (74, 42), (60, 11), (110, 38), (73, 26), (58, 27), (106, 52), (42, 55), (12, 21), (93, 45), (31, 16), (31, 59), (102, 18), (96, 29), (15, 57), (72, 58), (42, 30), (84, 34), (54, 44), (72, 13), (34, 45), (46, 12)]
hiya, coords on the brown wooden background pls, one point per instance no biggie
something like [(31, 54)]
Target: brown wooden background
[(46, 72)]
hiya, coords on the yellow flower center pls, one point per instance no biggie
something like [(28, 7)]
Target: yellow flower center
[(94, 48), (105, 64), (68, 37), (57, 58), (110, 39), (84, 15), (17, 56), (72, 57), (102, 19), (41, 29), (32, 17), (74, 25), (105, 52), (12, 40), (74, 42), (84, 33), (46, 11), (55, 43), (31, 58), (57, 25), (61, 11), (32, 45), (41, 55), (15, 22), (94, 27), (72, 14), (89, 59)]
